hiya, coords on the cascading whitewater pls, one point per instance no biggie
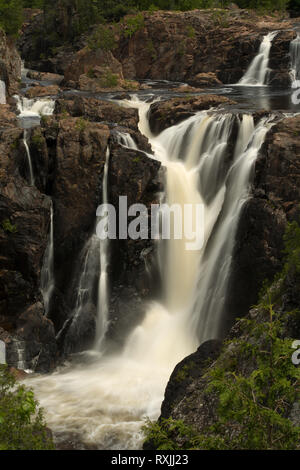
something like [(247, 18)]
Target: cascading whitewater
[(105, 403), (126, 140), (295, 61), (34, 108), (47, 274), (258, 71), (31, 175), (102, 303), (2, 92)]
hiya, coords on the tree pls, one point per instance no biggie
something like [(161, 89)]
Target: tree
[(11, 16)]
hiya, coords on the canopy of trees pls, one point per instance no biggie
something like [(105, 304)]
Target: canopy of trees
[(80, 14)]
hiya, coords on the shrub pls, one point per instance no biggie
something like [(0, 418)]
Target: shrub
[(22, 425), (133, 24), (8, 226), (254, 387), (102, 38)]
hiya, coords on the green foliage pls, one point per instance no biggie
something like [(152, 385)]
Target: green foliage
[(253, 384), (253, 406), (22, 425), (161, 434), (102, 38), (81, 124), (11, 16), (37, 140), (109, 79), (8, 226), (133, 24), (263, 5), (191, 33), (292, 247)]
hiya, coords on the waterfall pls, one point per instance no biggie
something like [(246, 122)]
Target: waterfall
[(2, 92), (34, 108), (24, 71), (93, 282), (295, 61), (31, 176), (102, 304), (105, 403), (126, 140), (258, 71), (47, 274)]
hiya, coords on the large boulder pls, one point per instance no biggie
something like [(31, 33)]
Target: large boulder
[(10, 64), (167, 113)]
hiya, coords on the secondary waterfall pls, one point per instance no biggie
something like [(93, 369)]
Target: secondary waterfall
[(102, 303), (2, 92), (258, 71), (295, 61), (106, 403), (31, 176), (92, 293), (34, 108), (47, 274)]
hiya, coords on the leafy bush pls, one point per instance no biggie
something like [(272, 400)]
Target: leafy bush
[(254, 387), (22, 426), (8, 226), (11, 16), (133, 24), (109, 80), (102, 38)]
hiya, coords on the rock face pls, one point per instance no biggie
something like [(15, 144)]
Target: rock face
[(24, 225), (69, 152), (10, 64), (201, 47), (258, 252), (164, 114), (41, 91)]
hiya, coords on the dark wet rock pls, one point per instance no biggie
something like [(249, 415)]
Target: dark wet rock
[(7, 117), (133, 267), (24, 226), (259, 249), (167, 113), (10, 64), (188, 370), (98, 111), (45, 76), (280, 59)]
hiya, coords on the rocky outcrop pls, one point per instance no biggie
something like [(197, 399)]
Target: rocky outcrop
[(167, 113), (201, 47), (24, 226), (280, 59), (42, 91), (259, 247), (96, 110), (69, 152), (10, 64), (197, 391)]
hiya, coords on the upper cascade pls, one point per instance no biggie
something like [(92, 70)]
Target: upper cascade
[(258, 71)]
